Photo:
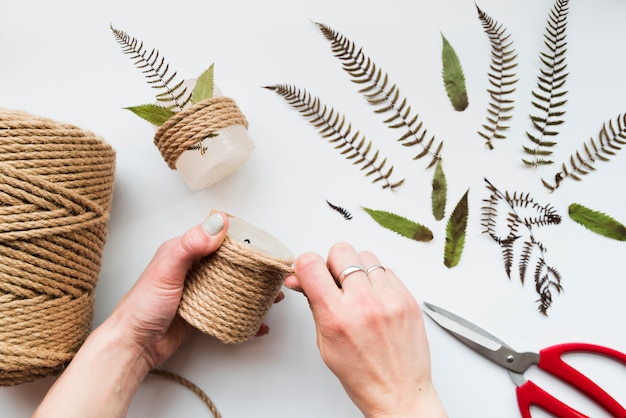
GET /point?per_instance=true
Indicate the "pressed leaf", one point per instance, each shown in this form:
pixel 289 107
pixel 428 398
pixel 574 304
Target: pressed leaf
pixel 154 114
pixel 453 78
pixel 203 89
pixel 440 190
pixel 401 225
pixel 455 233
pixel 597 222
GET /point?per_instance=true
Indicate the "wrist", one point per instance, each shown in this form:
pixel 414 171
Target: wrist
pixel 102 378
pixel 425 403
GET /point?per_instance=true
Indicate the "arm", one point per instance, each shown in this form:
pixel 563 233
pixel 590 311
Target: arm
pixel 370 333
pixel 142 331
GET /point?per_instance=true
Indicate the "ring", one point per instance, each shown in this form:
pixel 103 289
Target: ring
pixel 371 269
pixel 348 271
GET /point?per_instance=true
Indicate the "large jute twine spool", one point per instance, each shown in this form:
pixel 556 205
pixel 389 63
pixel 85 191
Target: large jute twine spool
pixel 56 186
pixel 228 293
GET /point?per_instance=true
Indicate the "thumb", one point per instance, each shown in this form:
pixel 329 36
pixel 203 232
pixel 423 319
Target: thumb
pixel 175 257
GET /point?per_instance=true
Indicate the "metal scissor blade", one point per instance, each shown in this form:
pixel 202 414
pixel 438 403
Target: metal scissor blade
pixel 480 340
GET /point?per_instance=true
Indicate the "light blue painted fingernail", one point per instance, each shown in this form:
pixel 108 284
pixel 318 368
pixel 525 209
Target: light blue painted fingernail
pixel 213 224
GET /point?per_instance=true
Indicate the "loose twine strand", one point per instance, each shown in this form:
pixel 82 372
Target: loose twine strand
pixel 56 187
pixel 194 124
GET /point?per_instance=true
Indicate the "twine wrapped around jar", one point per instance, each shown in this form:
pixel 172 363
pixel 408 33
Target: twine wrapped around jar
pixel 228 293
pixel 56 187
pixel 194 124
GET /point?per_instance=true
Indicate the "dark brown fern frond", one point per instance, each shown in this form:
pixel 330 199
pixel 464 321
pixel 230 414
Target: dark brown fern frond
pixel 610 140
pixel 548 98
pixel 501 77
pixel 333 126
pixel 384 96
pixel 502 220
pixel 157 72
pixel 343 212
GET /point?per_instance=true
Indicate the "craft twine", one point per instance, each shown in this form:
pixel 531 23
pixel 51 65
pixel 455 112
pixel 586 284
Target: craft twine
pixel 56 186
pixel 192 125
pixel 228 293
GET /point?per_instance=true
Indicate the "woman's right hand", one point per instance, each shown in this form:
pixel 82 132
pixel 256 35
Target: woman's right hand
pixel 370 333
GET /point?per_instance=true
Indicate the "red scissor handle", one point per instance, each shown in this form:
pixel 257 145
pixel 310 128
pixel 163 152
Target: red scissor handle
pixel 550 360
pixel 530 394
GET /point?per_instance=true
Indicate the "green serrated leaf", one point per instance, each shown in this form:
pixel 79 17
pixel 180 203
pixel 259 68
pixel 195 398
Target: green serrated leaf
pixel 439 192
pixel 401 225
pixel 455 233
pixel 597 222
pixel 203 89
pixel 453 77
pixel 154 114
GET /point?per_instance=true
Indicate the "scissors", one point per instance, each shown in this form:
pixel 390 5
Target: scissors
pixel 548 359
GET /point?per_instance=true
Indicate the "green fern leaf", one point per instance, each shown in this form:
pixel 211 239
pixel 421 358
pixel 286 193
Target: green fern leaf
pixel 155 114
pixel 453 77
pixel 597 222
pixel 439 192
pixel 203 89
pixel 400 225
pixel 455 233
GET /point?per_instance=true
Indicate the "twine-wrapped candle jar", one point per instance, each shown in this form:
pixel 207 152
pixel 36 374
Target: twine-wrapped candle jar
pixel 228 293
pixel 207 141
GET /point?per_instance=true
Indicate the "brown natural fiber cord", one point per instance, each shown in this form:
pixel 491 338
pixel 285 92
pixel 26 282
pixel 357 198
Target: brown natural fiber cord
pixel 228 293
pixel 56 186
pixel 191 386
pixel 192 125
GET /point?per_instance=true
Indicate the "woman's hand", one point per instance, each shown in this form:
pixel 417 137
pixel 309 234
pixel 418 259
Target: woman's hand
pixel 141 333
pixel 370 333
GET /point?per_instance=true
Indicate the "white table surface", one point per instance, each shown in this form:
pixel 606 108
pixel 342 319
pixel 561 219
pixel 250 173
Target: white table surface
pixel 60 60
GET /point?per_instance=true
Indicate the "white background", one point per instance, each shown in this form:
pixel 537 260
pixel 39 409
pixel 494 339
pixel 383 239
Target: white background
pixel 60 60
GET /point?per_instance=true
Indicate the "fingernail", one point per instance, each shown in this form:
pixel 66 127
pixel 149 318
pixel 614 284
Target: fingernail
pixel 213 224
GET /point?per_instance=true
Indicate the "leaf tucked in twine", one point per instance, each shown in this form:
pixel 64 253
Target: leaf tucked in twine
pixel 453 77
pixel 597 222
pixel 401 225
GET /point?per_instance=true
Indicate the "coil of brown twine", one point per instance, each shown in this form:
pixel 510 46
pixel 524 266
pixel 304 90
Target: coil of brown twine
pixel 192 125
pixel 228 293
pixel 56 187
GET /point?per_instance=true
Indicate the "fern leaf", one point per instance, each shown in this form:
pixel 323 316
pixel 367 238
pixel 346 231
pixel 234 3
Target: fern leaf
pixel 333 126
pixel 155 69
pixel 453 77
pixel 455 233
pixel 597 222
pixel 610 140
pixel 400 225
pixel 501 77
pixel 203 89
pixel 384 96
pixel 546 277
pixel 155 114
pixel 343 212
pixel 550 86
pixel 439 192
